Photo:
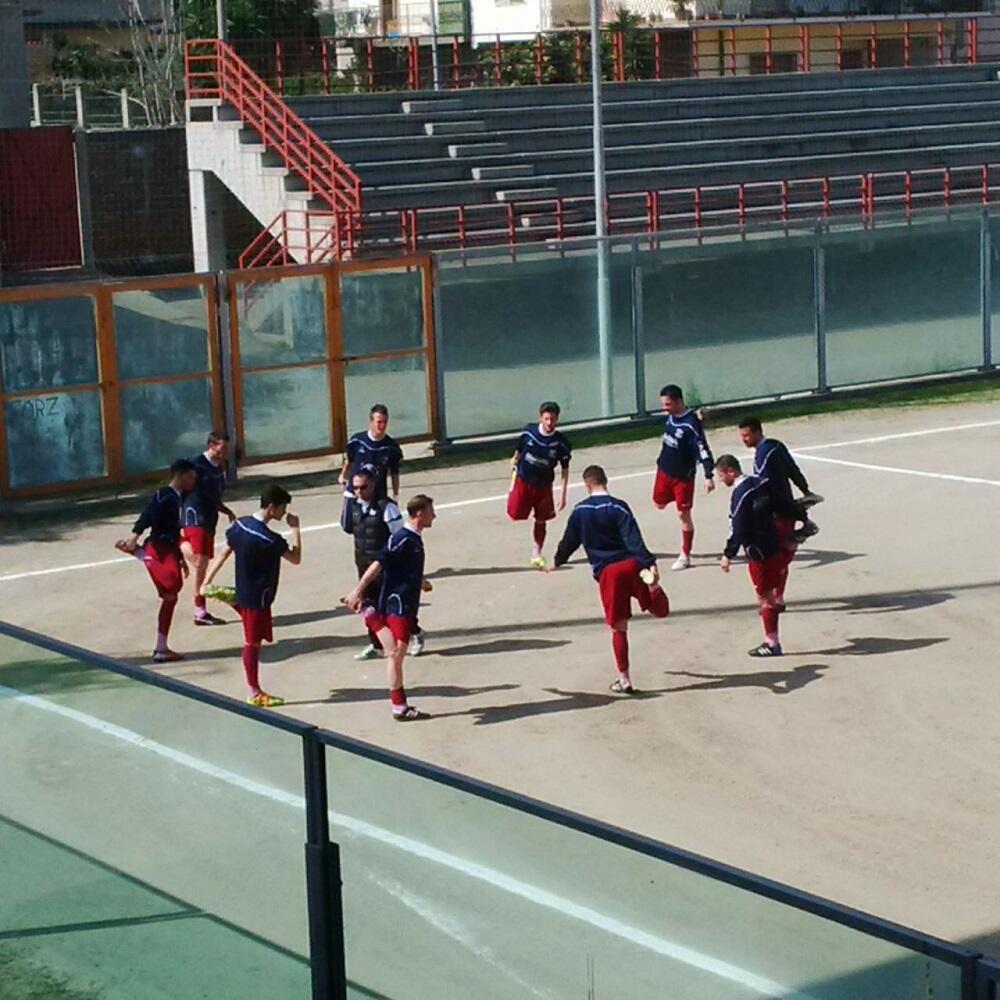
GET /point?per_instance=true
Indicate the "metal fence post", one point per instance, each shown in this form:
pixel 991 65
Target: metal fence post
pixel 638 332
pixel 36 104
pixel 326 913
pixel 123 97
pixel 226 355
pixel 819 301
pixel 439 355
pixel 81 112
pixel 986 276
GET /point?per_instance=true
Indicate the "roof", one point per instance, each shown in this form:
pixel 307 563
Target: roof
pixel 84 13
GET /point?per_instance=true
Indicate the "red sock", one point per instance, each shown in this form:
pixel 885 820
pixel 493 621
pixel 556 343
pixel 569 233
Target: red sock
pixel 538 534
pixel 687 540
pixel 251 667
pixel 398 697
pixel 199 602
pixel 770 617
pixel 619 643
pixel 166 616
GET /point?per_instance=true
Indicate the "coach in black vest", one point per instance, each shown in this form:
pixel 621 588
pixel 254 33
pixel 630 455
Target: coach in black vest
pixel 371 522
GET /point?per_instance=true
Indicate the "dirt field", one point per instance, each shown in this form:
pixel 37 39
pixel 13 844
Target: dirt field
pixel 862 766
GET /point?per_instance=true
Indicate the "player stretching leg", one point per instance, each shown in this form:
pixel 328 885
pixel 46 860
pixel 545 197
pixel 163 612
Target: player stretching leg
pixel 376 452
pixel 372 523
pixel 751 527
pixel 622 565
pixel 540 449
pixel 684 446
pixel 400 565
pixel 775 467
pixel 161 552
pixel 202 507
pixel 259 551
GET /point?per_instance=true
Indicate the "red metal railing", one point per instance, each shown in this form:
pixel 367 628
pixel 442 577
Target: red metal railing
pixel 213 70
pixel 653 213
pixel 297 236
pixel 699 49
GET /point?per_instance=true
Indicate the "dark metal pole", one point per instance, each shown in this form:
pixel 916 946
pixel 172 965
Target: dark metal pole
pixel 986 276
pixel 819 294
pixel 326 912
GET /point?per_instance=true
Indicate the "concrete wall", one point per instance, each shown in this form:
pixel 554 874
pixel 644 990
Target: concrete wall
pixel 15 106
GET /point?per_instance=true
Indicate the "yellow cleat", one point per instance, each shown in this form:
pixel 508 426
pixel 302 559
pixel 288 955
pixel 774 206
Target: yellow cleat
pixel 537 562
pixel 264 700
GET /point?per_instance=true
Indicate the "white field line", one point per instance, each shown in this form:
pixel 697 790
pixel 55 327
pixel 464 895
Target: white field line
pixel 898 471
pixel 452 505
pixel 906 434
pixel 515 887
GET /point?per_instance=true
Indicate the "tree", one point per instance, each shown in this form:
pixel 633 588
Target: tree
pixel 253 18
pixel 156 46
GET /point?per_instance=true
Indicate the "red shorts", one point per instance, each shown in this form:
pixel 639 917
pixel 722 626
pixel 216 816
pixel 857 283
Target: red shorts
pixel 768 573
pixel 619 583
pixel 667 490
pixel 784 527
pixel 400 627
pixel 525 498
pixel 163 563
pixel 201 540
pixel 257 625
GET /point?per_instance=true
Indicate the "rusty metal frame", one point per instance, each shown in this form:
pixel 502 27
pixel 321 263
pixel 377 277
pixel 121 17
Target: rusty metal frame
pixel 336 360
pixel 108 384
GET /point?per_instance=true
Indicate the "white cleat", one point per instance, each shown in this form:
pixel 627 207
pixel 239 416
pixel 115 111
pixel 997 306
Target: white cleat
pixel 682 562
pixel 368 653
pixel 417 643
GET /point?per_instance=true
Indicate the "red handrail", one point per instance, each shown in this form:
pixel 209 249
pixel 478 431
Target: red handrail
pixel 641 212
pixel 212 69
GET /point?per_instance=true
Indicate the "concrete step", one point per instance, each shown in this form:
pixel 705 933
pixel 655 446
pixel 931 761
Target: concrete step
pixel 527 194
pixel 549 220
pixel 434 107
pixel 454 128
pixel 790 83
pixel 467 149
pixel 502 172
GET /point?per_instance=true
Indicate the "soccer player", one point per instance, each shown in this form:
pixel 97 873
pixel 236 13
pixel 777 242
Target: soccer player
pixel 540 449
pixel 259 551
pixel 751 527
pixel 775 467
pixel 400 565
pixel 377 451
pixel 622 565
pixel 201 510
pixel 684 447
pixel 372 523
pixel 161 552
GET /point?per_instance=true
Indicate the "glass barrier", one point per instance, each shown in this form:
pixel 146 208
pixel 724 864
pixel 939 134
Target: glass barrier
pixel 994 297
pixel 382 310
pixel 470 897
pixel 164 421
pixel 286 410
pixel 48 343
pixel 903 299
pixel 400 381
pixel 161 331
pixel 281 322
pixel 152 845
pixel 56 437
pixel 515 333
pixel 729 318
